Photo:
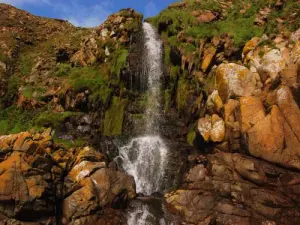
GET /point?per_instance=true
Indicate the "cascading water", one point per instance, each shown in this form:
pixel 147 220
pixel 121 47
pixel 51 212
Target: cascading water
pixel 145 157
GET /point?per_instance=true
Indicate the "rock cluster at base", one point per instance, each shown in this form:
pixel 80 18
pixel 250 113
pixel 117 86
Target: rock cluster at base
pixel 45 183
pixel 236 189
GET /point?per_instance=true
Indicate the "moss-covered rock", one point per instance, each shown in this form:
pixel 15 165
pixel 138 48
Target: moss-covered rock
pixel 114 117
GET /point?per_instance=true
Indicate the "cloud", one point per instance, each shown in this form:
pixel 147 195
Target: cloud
pixel 85 15
pixel 77 12
pixel 23 2
pixel 150 9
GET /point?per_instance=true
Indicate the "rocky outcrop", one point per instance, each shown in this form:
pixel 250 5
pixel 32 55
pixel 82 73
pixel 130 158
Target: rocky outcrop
pixel 237 189
pixel 46 183
pixel 251 175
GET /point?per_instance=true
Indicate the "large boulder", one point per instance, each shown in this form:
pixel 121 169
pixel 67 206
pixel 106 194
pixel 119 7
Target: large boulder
pixel 233 80
pixel 276 137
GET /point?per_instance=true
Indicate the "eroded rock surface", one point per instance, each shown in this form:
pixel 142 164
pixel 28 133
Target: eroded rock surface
pixel 47 183
pixel 237 189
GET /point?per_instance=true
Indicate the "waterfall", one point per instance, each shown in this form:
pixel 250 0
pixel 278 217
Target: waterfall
pixel 144 157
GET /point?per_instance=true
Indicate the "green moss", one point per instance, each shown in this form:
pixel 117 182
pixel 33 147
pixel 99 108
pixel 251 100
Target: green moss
pixel 62 69
pixel 12 91
pixel 17 128
pixel 52 119
pixel 17 120
pixel 90 78
pixel 175 19
pixel 69 143
pixel 168 99
pixel 186 88
pixel 26 63
pixel 114 116
pixel 3 127
pixel 167 49
pixel 182 94
pixel 119 60
pixel 191 137
pixel 174 72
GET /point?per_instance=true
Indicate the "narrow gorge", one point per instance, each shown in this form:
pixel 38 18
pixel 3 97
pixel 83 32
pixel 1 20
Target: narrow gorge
pixel 189 117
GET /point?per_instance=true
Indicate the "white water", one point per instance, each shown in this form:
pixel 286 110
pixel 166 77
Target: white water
pixel 145 157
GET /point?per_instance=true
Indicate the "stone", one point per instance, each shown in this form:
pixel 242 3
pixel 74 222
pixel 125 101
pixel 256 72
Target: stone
pixel 272 63
pixel 234 80
pixel 295 36
pixel 250 46
pixel 236 189
pixel 218 129
pixel 209 54
pixel 229 109
pixel 295 54
pixel 214 101
pixel 289 75
pixel 276 137
pixel 34 173
pixel 252 112
pixel 207 17
pixel 212 128
pixel 204 127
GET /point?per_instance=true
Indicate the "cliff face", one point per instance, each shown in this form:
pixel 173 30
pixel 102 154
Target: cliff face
pixel 52 71
pixel 231 91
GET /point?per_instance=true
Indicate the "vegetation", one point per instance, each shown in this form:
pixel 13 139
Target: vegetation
pixel 14 120
pixel 119 60
pixel 114 116
pixel 53 119
pixel 90 78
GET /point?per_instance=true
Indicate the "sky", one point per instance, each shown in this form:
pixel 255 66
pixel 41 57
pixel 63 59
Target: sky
pixel 87 13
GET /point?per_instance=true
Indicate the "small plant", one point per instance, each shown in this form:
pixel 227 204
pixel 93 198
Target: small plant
pixel 62 69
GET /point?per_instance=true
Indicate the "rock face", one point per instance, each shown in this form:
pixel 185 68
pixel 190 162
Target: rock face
pixel 251 174
pixel 236 189
pixel 45 183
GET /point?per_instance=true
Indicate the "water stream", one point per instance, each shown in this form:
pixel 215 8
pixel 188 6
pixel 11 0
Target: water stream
pixel 145 157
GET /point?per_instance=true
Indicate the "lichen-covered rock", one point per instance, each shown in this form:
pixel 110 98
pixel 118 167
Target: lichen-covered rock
pixel 214 101
pixel 36 175
pixel 212 128
pixel 234 80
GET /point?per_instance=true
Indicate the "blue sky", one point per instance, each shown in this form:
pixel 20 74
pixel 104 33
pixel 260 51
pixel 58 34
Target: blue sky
pixel 87 13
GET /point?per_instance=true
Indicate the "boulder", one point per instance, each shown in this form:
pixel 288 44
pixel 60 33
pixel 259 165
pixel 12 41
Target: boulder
pixel 252 112
pixel 234 80
pixel 209 54
pixel 276 137
pixel 272 63
pixel 214 101
pixel 212 128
